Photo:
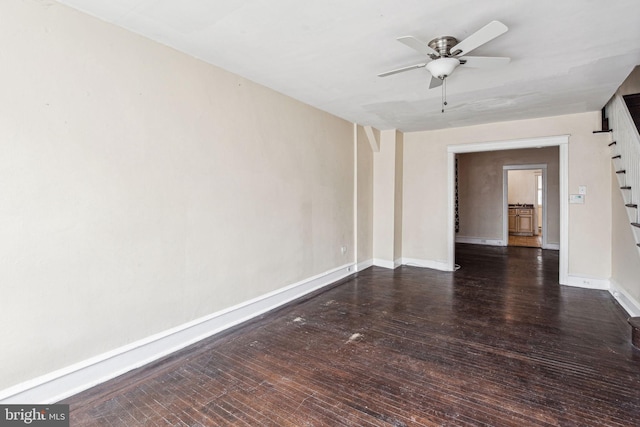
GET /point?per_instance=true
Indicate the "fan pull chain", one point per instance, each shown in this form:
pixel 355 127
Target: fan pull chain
pixel 443 98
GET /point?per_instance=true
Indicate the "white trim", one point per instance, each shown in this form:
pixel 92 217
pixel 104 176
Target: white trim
pixel 551 246
pixel 629 303
pixel 525 167
pixel 364 265
pixel 562 141
pixel 384 263
pixel 397 262
pixel 563 266
pixel 587 282
pixel 65 382
pixel 505 198
pixel 513 144
pixel 425 263
pixel 355 193
pixel 480 241
pixel 451 211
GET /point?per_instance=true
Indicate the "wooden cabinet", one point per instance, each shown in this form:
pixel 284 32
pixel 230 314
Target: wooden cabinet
pixel 521 221
pixel 513 225
pixel 525 221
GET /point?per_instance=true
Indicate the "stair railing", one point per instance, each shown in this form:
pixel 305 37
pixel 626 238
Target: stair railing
pixel 626 157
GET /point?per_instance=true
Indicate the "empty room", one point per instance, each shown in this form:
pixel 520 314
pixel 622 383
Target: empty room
pixel 285 213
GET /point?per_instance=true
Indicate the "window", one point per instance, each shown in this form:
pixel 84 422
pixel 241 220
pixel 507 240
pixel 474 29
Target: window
pixel 539 187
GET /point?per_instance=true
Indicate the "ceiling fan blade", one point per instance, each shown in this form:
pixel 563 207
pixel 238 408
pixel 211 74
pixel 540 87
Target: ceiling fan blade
pixel 418 45
pixel 435 82
pixel 400 70
pixel 483 61
pixel 485 34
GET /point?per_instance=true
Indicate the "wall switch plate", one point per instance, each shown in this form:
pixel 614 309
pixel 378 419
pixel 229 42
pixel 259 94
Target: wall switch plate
pixel 576 198
pixel 582 189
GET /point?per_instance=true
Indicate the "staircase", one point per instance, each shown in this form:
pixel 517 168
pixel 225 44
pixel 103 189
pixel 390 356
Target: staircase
pixel 625 148
pixel 618 118
pixel 633 105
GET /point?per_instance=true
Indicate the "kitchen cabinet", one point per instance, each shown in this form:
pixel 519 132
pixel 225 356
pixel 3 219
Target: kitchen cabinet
pixel 521 221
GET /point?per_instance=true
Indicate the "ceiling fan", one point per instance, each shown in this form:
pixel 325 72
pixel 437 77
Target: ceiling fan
pixel 445 53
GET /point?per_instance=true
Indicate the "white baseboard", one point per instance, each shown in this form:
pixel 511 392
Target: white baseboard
pixel 497 242
pixel 384 263
pixel 629 303
pixel 425 263
pixel 588 282
pixel 480 241
pixel 60 384
pixel 364 265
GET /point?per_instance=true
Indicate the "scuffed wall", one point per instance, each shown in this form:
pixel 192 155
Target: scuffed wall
pixel 143 189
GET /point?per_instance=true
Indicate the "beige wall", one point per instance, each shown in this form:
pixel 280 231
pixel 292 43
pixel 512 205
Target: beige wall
pixel 365 197
pixel 480 180
pixel 383 197
pixel 425 187
pixel 143 189
pixel 631 85
pixel 397 215
pixel 388 199
pixel 522 187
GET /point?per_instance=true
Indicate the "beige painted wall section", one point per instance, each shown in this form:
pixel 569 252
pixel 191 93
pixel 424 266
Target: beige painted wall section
pixel 631 84
pixel 143 189
pixel 425 187
pixel 425 196
pixel 365 197
pixel 480 181
pixel 397 215
pixel 522 186
pixel 384 198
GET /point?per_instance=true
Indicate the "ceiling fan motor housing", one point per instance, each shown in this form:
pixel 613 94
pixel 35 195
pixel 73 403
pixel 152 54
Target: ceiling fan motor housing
pixel 443 45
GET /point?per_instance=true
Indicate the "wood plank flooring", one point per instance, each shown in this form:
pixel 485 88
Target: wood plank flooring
pixel 497 343
pixel 526 241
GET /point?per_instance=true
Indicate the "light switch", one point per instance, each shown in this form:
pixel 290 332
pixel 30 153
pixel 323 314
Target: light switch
pixel 582 189
pixel 576 198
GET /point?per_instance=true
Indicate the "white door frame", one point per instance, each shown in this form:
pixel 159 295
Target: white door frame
pixel 561 141
pixel 505 199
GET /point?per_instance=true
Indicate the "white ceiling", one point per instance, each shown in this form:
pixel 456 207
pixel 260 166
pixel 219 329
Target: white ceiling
pixel 568 56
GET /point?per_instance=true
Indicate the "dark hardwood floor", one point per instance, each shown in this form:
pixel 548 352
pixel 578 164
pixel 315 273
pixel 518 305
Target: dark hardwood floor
pixel 526 241
pixel 497 343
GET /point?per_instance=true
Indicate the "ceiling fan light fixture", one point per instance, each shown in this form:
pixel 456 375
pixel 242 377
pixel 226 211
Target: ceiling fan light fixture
pixel 442 67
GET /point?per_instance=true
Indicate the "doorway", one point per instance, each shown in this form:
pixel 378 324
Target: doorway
pixel 525 203
pixel 561 141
